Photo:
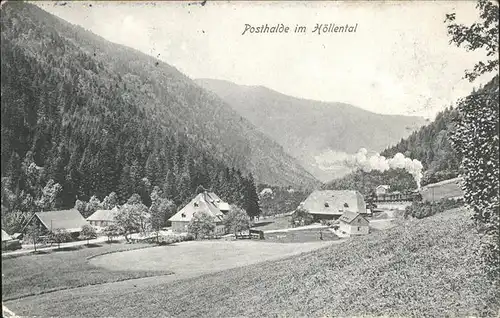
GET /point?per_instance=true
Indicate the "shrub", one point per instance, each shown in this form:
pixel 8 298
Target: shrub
pixel 421 210
pixel 301 217
pixel 201 225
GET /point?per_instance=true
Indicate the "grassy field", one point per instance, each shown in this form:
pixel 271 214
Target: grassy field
pixel 198 257
pixel 422 268
pixel 301 236
pixel 49 271
pixel 273 223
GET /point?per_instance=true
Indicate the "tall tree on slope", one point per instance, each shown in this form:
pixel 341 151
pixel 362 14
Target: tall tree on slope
pixel 251 198
pixel 476 137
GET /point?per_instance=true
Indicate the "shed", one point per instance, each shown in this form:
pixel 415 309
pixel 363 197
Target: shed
pixel 354 224
pixel 103 218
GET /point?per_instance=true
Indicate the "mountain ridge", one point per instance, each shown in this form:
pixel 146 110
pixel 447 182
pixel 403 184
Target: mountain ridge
pixel 317 133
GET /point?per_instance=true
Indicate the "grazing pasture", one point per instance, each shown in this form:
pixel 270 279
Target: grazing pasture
pixel 422 268
pixel 199 257
pixel 65 268
pixel 273 223
pixel 301 236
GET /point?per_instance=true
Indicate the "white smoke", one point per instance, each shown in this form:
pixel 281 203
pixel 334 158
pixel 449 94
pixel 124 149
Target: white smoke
pixel 377 162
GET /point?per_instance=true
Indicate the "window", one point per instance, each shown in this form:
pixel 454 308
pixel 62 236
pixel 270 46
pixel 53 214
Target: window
pixel 359 228
pixel 346 205
pixel 183 215
pixel 326 205
pixel 196 204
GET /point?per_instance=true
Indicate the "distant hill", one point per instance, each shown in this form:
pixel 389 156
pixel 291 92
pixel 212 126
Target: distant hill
pixel 110 111
pixel 430 144
pixel 318 134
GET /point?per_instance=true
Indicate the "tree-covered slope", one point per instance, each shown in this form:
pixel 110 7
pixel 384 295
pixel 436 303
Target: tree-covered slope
pixel 431 145
pixel 59 80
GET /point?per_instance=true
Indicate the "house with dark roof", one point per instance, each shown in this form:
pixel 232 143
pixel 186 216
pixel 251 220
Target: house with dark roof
pixel 331 204
pixel 351 223
pixel 102 218
pixel 207 202
pixel 69 220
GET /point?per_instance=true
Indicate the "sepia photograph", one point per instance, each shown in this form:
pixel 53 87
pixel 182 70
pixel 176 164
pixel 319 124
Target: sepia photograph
pixel 252 159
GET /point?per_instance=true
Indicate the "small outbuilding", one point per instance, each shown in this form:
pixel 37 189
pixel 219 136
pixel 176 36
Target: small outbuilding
pixel 352 223
pixel 9 243
pixel 382 189
pixel 102 218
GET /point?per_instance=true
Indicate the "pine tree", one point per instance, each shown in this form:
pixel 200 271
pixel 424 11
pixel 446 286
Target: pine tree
pixel 251 198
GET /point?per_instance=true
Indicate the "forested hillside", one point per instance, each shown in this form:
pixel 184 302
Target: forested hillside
pixel 430 144
pixel 97 117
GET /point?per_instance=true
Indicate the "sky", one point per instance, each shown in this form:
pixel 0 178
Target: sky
pixel 399 60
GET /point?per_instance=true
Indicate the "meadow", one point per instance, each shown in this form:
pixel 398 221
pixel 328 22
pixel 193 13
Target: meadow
pixel 49 271
pixel 421 268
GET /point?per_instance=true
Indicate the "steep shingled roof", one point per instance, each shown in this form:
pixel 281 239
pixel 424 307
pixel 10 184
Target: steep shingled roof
pixel 104 215
pixel 203 202
pixel 334 202
pixel 348 217
pixel 70 220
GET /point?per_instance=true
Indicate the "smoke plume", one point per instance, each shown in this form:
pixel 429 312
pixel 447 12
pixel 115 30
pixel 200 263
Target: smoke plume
pixel 362 161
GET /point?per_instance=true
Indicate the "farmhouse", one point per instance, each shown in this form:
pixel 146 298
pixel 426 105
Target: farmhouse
pixel 102 218
pixel 353 224
pixel 70 220
pixel 447 189
pixel 207 202
pixel 331 204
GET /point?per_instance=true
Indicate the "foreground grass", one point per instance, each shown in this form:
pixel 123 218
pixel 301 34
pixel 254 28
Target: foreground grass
pixel 55 270
pixel 423 268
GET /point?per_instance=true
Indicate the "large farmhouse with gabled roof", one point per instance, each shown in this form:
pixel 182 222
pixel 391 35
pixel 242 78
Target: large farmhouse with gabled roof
pixel 207 202
pixel 331 204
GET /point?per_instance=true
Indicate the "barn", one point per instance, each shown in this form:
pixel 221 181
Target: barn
pixel 69 220
pixel 331 204
pixel 207 202
pixel 352 223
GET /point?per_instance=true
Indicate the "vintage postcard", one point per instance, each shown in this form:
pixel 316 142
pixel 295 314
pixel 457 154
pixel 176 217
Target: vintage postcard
pixel 250 159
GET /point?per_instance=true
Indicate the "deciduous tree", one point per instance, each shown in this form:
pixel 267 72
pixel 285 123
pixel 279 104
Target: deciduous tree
pixel 201 225
pixel 88 232
pixel 476 136
pixel 236 221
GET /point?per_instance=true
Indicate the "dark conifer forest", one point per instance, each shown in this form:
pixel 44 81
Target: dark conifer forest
pixel 82 116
